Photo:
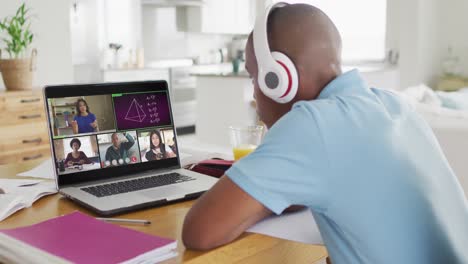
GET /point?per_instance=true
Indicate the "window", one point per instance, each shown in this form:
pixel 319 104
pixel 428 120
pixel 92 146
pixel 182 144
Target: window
pixel 362 25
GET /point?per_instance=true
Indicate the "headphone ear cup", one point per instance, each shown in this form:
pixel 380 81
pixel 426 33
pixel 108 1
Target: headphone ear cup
pixel 269 81
pixel 289 77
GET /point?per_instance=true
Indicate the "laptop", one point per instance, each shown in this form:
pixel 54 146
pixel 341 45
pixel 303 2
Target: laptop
pixel 114 146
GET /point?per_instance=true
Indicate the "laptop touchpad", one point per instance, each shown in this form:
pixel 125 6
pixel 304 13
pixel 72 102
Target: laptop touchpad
pixel 169 193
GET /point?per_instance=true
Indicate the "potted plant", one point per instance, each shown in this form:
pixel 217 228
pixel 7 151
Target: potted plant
pixel 17 71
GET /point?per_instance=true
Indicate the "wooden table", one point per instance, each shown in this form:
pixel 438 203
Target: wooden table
pixel 167 222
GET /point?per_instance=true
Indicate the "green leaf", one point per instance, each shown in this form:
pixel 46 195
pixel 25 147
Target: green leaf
pixel 22 9
pixel 18 12
pixel 17 27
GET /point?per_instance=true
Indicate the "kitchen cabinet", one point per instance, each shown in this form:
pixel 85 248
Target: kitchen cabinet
pixel 220 17
pixel 23 125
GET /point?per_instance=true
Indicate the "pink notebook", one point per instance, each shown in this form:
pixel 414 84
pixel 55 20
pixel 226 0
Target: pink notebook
pixel 79 238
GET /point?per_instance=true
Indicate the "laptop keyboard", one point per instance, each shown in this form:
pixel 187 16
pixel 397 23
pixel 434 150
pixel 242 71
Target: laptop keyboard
pixel 136 184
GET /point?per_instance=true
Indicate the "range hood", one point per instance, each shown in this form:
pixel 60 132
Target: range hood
pixel 176 3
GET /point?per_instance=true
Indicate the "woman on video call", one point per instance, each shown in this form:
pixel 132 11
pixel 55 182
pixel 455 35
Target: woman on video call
pixel 76 157
pixel 158 150
pixel 84 121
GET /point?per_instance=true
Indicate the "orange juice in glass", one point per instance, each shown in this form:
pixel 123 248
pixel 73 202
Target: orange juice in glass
pixel 245 139
pixel 242 150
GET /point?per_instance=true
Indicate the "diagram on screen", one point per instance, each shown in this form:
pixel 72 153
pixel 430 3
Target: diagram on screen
pixel 141 110
pixel 135 112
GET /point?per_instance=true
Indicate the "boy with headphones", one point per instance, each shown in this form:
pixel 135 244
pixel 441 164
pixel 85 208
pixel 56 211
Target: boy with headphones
pixel 361 159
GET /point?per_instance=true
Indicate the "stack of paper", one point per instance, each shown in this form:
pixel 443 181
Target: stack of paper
pixel 78 238
pixel 18 194
pixel 43 170
pixel 298 226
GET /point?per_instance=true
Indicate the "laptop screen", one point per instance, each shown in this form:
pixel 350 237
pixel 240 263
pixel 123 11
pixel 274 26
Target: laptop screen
pixel 110 130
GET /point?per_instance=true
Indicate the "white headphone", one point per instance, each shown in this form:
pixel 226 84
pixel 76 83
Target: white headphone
pixel 277 75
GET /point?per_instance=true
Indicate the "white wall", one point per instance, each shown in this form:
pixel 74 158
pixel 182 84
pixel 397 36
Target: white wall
pixel 94 25
pixel 407 33
pixel 160 36
pixel 122 23
pixel 422 31
pixel 52 39
pixel 454 31
pixel 86 28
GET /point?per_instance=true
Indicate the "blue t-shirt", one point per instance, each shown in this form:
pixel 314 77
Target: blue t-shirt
pixel 84 123
pixel 370 170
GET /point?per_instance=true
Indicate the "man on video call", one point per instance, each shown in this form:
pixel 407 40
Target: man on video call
pixel 118 152
pixel 361 159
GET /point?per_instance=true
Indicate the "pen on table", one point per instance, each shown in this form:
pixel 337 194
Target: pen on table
pixel 125 221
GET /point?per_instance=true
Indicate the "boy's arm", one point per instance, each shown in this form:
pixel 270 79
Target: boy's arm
pixel 220 216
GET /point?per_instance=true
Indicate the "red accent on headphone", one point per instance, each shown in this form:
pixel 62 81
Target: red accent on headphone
pixel 289 78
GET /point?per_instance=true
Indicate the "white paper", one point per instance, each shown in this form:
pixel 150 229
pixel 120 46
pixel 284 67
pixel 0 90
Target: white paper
pixel 298 226
pixel 33 193
pixel 19 197
pixel 10 203
pixel 44 170
pixel 7 185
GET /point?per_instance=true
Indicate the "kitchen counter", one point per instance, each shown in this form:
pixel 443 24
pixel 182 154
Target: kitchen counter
pixel 229 74
pixel 134 69
pixel 382 76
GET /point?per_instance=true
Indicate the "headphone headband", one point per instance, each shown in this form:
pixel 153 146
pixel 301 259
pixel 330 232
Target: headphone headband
pixel 260 36
pixel 277 74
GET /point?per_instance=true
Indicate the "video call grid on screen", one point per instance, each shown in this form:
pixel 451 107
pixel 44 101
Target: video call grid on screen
pixel 134 113
pixel 98 159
